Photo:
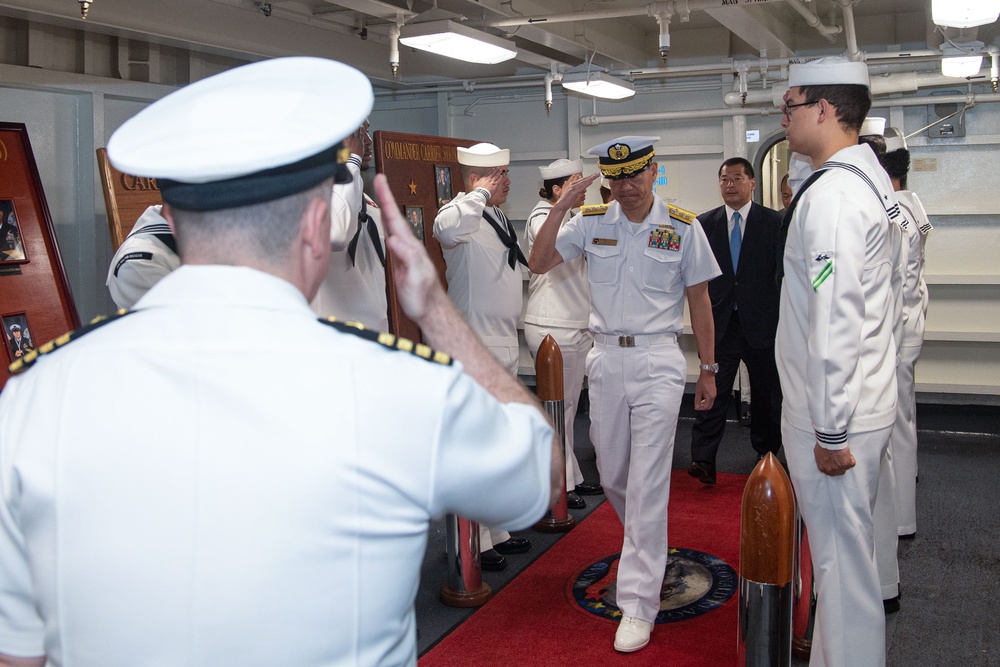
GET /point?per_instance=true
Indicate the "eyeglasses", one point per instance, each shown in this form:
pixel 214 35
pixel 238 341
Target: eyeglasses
pixel 787 108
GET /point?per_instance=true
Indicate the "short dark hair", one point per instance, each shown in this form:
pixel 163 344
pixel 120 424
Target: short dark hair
pixel 897 164
pixel 545 192
pixel 877 143
pixel 738 162
pixel 852 102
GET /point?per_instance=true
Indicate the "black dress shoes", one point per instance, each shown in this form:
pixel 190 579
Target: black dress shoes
pixel 703 472
pixel 575 502
pixel 588 489
pixel 515 545
pixel 492 561
pixel 891 605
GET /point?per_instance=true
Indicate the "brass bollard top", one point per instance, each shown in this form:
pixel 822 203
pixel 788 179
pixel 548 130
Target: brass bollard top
pixel 767 525
pixel 549 370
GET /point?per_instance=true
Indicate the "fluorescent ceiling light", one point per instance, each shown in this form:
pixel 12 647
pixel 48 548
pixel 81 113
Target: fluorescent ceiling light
pixel 598 84
pixel 448 38
pixel 964 13
pixel 962 61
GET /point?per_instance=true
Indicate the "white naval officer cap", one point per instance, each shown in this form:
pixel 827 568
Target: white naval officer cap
pixel 15 327
pixel 248 135
pixel 872 126
pixel 828 71
pixel 624 157
pixel 484 155
pixel 561 168
pixel 894 140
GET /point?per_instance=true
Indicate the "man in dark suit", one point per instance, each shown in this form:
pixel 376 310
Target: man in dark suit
pixel 743 236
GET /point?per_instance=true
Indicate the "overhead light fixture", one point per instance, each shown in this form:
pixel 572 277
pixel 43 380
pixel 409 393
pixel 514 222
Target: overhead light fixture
pixel 964 13
pixel 962 60
pixel 84 8
pixel 448 38
pixel 598 84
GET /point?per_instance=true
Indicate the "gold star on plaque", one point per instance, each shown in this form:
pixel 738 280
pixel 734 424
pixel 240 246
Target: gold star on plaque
pixel 413 187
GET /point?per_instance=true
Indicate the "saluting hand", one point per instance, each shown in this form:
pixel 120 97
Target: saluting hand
pixel 491 180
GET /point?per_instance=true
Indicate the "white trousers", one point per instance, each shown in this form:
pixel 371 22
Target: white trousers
pixel 574 344
pixel 635 396
pixel 884 521
pixel 850 620
pixel 904 442
pixel 507 356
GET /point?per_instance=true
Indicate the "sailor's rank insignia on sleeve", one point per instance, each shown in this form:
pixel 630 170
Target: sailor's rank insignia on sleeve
pixel 389 340
pixel 678 213
pixel 31 357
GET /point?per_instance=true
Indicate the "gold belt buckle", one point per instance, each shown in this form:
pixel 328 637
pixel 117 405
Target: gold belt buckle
pixel 626 341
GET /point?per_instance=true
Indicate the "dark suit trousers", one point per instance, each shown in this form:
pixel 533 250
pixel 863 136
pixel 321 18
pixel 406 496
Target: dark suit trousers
pixel 765 413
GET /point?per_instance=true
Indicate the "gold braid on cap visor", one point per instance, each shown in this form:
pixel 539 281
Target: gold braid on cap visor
pixel 626 168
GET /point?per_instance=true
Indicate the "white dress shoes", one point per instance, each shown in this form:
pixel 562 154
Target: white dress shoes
pixel 632 634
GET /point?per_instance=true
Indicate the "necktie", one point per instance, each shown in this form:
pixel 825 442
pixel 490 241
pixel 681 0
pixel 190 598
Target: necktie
pixel 365 220
pixel 735 240
pixel 508 237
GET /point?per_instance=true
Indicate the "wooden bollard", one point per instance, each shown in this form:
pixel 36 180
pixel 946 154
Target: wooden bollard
pixel 767 555
pixel 549 377
pixel 465 587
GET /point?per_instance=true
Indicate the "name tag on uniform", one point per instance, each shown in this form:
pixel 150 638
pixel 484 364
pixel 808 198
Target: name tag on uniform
pixel 605 241
pixel 665 237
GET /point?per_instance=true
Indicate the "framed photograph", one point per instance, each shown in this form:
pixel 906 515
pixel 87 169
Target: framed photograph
pixel 415 216
pixel 11 243
pixel 17 335
pixel 442 181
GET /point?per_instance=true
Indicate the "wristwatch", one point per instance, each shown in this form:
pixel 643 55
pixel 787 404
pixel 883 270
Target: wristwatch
pixel 709 367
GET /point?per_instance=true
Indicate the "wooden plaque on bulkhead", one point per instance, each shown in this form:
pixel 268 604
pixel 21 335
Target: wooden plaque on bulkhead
pixel 36 305
pixel 423 173
pixel 125 196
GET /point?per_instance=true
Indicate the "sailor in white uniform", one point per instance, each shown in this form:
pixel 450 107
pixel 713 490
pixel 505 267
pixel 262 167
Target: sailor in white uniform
pixel 915 299
pixel 835 352
pixel 147 254
pixel 483 267
pixel 559 306
pixel 643 258
pixel 354 287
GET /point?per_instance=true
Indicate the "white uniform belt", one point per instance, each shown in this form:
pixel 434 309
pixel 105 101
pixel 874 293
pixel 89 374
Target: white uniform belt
pixel 635 340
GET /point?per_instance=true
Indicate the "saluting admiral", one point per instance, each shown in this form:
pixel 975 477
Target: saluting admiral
pixel 643 257
pixel 199 501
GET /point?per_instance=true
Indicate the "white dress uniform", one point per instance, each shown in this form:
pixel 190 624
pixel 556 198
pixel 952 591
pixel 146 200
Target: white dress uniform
pixel 354 288
pixel 144 257
pixel 884 512
pixel 559 306
pixel 836 360
pixel 252 505
pixel 483 286
pixel 915 298
pixel 637 275
pixel 481 283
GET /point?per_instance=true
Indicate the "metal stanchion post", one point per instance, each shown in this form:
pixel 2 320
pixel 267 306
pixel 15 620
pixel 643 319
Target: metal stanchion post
pixel 767 545
pixel 549 376
pixel 465 587
pixel 804 610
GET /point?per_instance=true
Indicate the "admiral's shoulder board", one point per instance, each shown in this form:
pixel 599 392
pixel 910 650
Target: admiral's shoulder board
pixel 678 213
pixel 594 209
pixel 31 357
pixel 389 340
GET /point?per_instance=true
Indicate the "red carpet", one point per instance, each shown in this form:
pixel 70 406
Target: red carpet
pixel 536 620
